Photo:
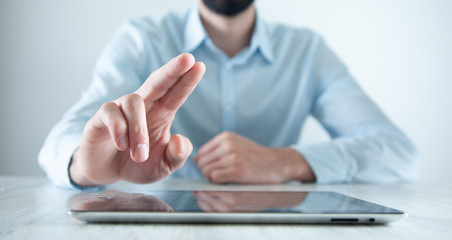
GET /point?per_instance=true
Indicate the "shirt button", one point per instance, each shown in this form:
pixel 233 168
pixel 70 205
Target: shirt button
pixel 228 108
pixel 228 66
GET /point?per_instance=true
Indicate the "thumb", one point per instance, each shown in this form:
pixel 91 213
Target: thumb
pixel 178 150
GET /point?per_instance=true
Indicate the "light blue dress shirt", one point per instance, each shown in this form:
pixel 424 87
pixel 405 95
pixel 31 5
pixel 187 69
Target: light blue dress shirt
pixel 263 93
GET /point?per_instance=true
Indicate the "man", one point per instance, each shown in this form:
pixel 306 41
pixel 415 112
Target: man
pixel 243 119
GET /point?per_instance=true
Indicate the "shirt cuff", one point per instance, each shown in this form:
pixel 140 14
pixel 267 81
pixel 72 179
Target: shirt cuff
pixel 325 161
pixel 58 170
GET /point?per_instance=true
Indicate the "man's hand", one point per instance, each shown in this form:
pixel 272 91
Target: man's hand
pixel 129 138
pixel 229 157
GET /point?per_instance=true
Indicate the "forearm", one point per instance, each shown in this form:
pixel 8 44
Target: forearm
pixel 380 156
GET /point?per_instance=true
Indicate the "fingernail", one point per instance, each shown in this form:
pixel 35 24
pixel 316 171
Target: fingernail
pixel 183 148
pixel 141 153
pixel 123 142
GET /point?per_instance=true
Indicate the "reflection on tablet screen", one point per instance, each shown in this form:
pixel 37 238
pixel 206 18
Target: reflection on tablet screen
pixel 224 201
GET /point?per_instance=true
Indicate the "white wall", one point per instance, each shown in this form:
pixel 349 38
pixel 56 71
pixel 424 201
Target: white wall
pixel 400 51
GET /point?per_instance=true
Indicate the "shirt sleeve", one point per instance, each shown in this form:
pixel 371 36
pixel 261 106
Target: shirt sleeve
pixel 118 71
pixel 365 145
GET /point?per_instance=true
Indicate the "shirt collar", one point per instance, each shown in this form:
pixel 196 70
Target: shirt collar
pixel 261 39
pixel 195 35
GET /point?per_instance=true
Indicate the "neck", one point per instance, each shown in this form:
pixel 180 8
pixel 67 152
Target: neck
pixel 230 34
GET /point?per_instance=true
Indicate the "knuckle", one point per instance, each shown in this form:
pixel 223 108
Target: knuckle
pixel 188 83
pixel 179 96
pixel 158 88
pixel 135 97
pixel 226 134
pixel 107 109
pixel 229 136
pixel 138 130
pixel 107 106
pixel 107 114
pixel 235 158
pixel 131 99
pixel 228 146
pixel 215 177
pixel 205 173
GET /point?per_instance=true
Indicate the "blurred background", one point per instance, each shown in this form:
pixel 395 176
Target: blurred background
pixel 399 51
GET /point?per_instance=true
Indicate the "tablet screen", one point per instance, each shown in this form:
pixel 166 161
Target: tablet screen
pixel 225 202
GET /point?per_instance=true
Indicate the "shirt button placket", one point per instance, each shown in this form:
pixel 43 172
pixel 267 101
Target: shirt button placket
pixel 228 96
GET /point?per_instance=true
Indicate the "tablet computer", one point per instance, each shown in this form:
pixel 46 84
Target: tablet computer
pixel 229 207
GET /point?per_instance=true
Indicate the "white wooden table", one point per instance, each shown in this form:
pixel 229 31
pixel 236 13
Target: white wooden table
pixel 31 208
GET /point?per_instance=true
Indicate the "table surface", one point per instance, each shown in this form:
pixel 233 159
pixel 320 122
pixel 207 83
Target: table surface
pixel 32 208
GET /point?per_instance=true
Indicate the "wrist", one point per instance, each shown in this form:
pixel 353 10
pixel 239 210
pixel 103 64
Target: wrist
pixel 295 166
pixel 75 172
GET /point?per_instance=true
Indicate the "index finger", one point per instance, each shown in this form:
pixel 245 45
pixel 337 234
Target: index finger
pixel 161 80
